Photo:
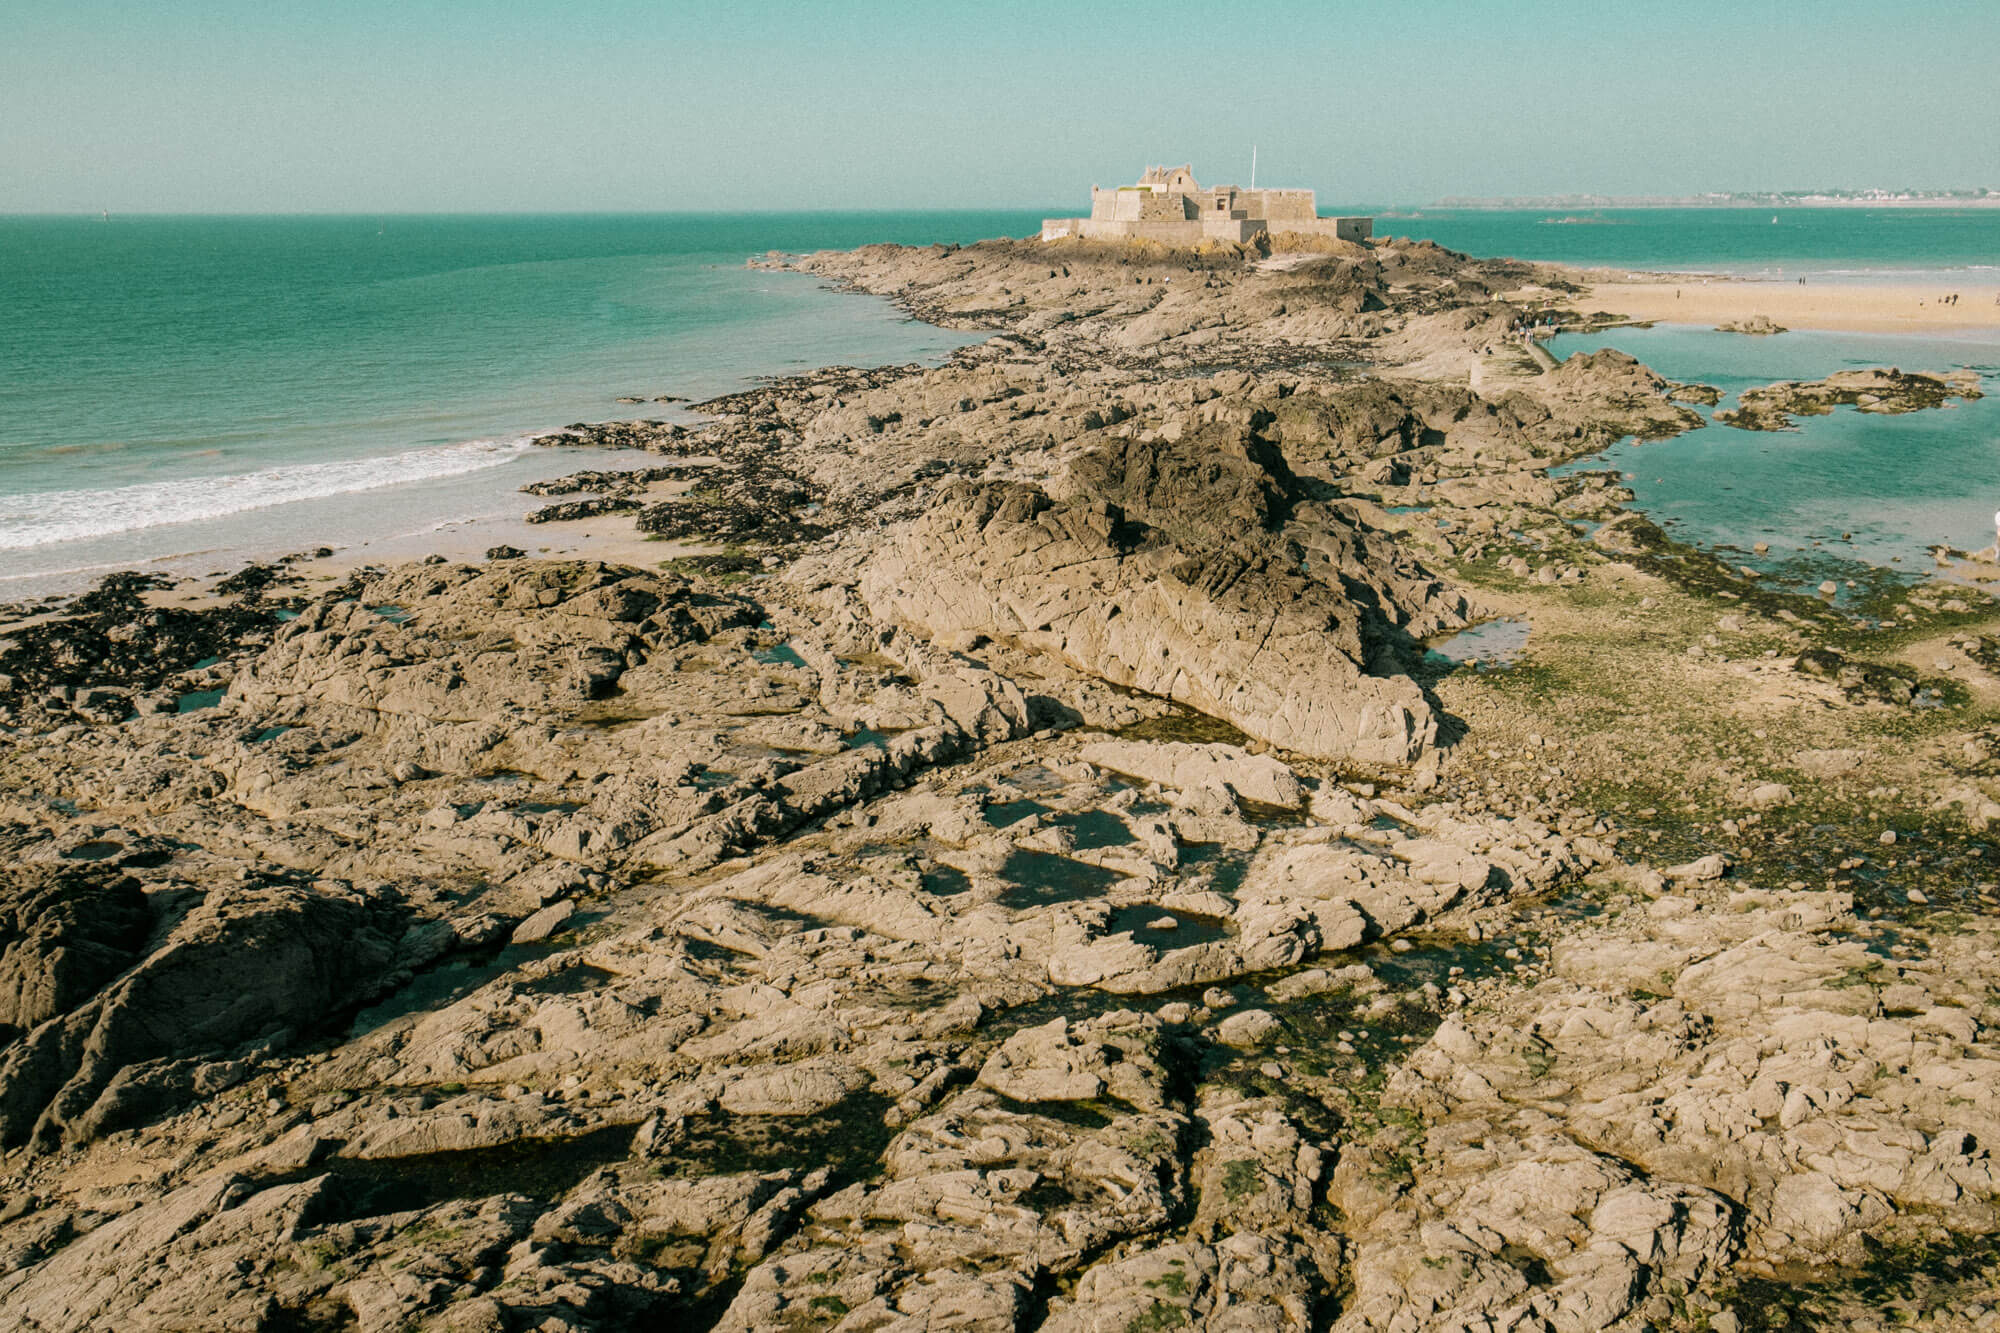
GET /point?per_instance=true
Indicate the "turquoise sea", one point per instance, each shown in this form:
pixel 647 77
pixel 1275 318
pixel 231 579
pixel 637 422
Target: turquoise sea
pixel 196 390
pixel 1847 487
pixel 1840 244
pixel 201 389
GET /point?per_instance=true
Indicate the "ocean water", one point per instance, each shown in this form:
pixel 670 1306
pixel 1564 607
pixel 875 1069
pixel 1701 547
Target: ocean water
pixel 197 390
pixel 1848 487
pixel 1837 244
pixel 190 392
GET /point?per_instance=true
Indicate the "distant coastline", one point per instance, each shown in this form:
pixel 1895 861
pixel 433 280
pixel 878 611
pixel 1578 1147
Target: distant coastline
pixel 1839 199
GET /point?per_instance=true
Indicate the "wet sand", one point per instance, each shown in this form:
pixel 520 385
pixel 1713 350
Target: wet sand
pixel 1826 306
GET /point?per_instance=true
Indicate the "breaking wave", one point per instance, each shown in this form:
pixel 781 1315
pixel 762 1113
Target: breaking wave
pixel 44 518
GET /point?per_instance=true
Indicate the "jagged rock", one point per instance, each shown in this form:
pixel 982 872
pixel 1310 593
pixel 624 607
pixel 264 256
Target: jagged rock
pixel 1754 324
pixel 64 932
pixel 1046 1064
pixel 544 923
pixel 1116 1055
pixel 791 1090
pixel 1241 635
pixel 265 963
pixel 1814 1119
pixel 1773 406
pixel 1245 1281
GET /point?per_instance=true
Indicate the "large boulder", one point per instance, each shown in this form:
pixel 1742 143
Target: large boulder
pixel 1195 572
pixel 64 932
pixel 252 963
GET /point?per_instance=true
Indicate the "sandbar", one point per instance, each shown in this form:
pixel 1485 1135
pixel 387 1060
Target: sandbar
pixel 1826 306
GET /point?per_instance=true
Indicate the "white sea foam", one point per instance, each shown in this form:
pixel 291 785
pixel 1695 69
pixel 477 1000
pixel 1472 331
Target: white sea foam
pixel 46 517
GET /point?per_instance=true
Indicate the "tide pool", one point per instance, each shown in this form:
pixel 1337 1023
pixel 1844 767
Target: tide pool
pixel 1851 486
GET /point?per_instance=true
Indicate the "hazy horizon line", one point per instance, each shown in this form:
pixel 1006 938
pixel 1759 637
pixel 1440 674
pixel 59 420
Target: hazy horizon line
pixel 1470 203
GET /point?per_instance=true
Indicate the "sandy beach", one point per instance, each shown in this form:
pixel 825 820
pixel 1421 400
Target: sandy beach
pixel 1832 307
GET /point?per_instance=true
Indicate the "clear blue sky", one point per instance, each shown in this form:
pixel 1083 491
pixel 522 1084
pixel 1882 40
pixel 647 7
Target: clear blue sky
pixel 419 105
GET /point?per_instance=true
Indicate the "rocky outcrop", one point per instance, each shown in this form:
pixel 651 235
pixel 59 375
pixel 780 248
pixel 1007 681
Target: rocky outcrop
pixel 1241 635
pixel 1225 768
pixel 1618 394
pixel 268 963
pixel 511 637
pixel 64 932
pixel 1777 1065
pixel 551 944
pixel 1890 391
pixel 1199 572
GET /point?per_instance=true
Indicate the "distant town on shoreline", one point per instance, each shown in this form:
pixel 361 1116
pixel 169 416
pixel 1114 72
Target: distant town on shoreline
pixel 1988 197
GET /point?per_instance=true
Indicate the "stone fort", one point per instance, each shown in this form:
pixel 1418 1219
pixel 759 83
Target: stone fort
pixel 1168 206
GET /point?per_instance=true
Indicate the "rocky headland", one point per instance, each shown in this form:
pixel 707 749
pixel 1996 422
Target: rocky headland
pixel 1030 862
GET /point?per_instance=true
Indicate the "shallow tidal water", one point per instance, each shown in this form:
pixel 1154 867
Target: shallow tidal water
pixel 1848 487
pixel 1492 646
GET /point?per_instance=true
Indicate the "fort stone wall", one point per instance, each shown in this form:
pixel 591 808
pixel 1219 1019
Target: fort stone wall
pixel 1169 207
